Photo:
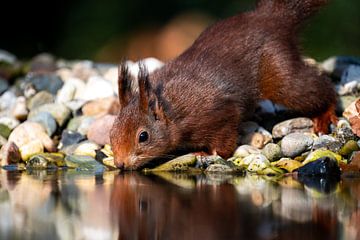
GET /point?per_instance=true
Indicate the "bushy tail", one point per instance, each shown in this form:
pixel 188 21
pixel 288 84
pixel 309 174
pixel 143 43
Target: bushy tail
pixel 294 11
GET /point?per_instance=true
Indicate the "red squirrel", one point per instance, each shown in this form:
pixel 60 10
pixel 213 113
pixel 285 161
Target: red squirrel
pixel 196 102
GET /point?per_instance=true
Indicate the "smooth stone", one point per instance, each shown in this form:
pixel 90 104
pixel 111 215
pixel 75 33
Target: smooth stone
pixel 109 162
pixel 245 150
pixel 84 70
pixel 4 131
pixel 327 142
pixel 296 125
pixel 66 93
pixel 80 124
pixel 3 85
pixel 181 163
pixel 294 144
pixel 7 100
pixel 7 57
pixel 100 107
pixel 40 99
pixel 256 140
pixel 219 168
pixel 99 130
pixel 87 149
pixel 320 153
pixel 10 122
pixel 324 166
pixel 59 111
pixel 46 161
pixel 70 138
pixel 348 88
pixel 97 87
pixel 43 62
pixel 84 163
pixel 349 147
pixel 10 154
pixel 46 120
pixel 31 131
pixel 272 152
pixel 20 111
pixel 75 106
pixel 205 161
pixel 345 134
pixel 261 165
pixel 30 149
pixel 351 74
pixel 287 164
pixel 76 83
pixel 44 82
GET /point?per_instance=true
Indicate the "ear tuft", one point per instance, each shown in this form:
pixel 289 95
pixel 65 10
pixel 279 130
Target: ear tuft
pixel 144 87
pixel 124 84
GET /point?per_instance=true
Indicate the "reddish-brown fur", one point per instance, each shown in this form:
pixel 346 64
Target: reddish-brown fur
pixel 197 101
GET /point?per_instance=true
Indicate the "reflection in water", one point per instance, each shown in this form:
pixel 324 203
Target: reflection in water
pixel 73 205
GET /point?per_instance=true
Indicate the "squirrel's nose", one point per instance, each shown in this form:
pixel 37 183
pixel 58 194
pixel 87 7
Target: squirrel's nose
pixel 120 165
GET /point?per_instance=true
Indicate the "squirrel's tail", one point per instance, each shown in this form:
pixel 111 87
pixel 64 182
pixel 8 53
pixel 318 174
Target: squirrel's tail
pixel 293 11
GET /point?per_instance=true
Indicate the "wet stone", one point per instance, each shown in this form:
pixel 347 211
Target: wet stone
pixel 181 163
pixel 245 150
pixel 205 161
pixel 70 138
pixel 46 161
pixel 294 144
pixel 84 163
pixel 219 168
pixel 324 166
pixel 349 147
pixel 296 125
pixel 320 153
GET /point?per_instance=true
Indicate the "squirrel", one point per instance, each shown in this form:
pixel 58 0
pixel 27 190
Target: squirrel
pixel 196 102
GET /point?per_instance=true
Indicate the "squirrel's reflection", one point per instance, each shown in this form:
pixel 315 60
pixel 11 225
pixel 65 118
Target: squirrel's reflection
pixel 149 208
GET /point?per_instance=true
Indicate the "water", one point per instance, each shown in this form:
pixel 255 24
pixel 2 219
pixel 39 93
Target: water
pixel 73 205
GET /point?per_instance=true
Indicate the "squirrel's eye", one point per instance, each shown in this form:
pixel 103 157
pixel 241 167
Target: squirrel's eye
pixel 143 136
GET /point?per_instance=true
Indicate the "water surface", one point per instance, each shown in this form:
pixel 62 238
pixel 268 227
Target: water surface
pixel 78 205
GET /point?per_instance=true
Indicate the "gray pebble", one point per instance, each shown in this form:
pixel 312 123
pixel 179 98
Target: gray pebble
pixel 299 125
pixel 46 120
pixel 294 144
pixel 272 152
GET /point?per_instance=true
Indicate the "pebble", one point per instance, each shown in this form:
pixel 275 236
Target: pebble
pixel 59 111
pixel 10 154
pixel 294 144
pixel 181 163
pixel 3 85
pixel 336 65
pixel 324 166
pixel 7 57
pixel 221 168
pixel 20 111
pixel 66 93
pixel 256 139
pixel 272 152
pixel 46 120
pixel 70 138
pixel 287 164
pixel 28 132
pixel 10 122
pixel 7 100
pixel 44 82
pixel 298 125
pixel 348 148
pixel 99 130
pixel 84 163
pixel 4 131
pixel 327 142
pixel 205 161
pixel 46 161
pixel 31 148
pixel 100 107
pixel 39 99
pixel 86 148
pixel 80 124
pixel 351 74
pixel 43 62
pixel 245 150
pixel 97 87
pixel 315 155
pixel 84 70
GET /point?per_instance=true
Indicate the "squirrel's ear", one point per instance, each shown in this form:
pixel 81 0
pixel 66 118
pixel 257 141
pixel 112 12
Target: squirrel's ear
pixel 160 107
pixel 124 84
pixel 144 87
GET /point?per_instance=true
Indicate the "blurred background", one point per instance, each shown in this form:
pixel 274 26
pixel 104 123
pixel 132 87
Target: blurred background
pixel 108 30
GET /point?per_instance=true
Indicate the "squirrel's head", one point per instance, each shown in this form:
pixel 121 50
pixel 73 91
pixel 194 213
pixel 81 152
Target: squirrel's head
pixel 140 131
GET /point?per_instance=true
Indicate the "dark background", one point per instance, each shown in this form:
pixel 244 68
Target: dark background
pixel 104 30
